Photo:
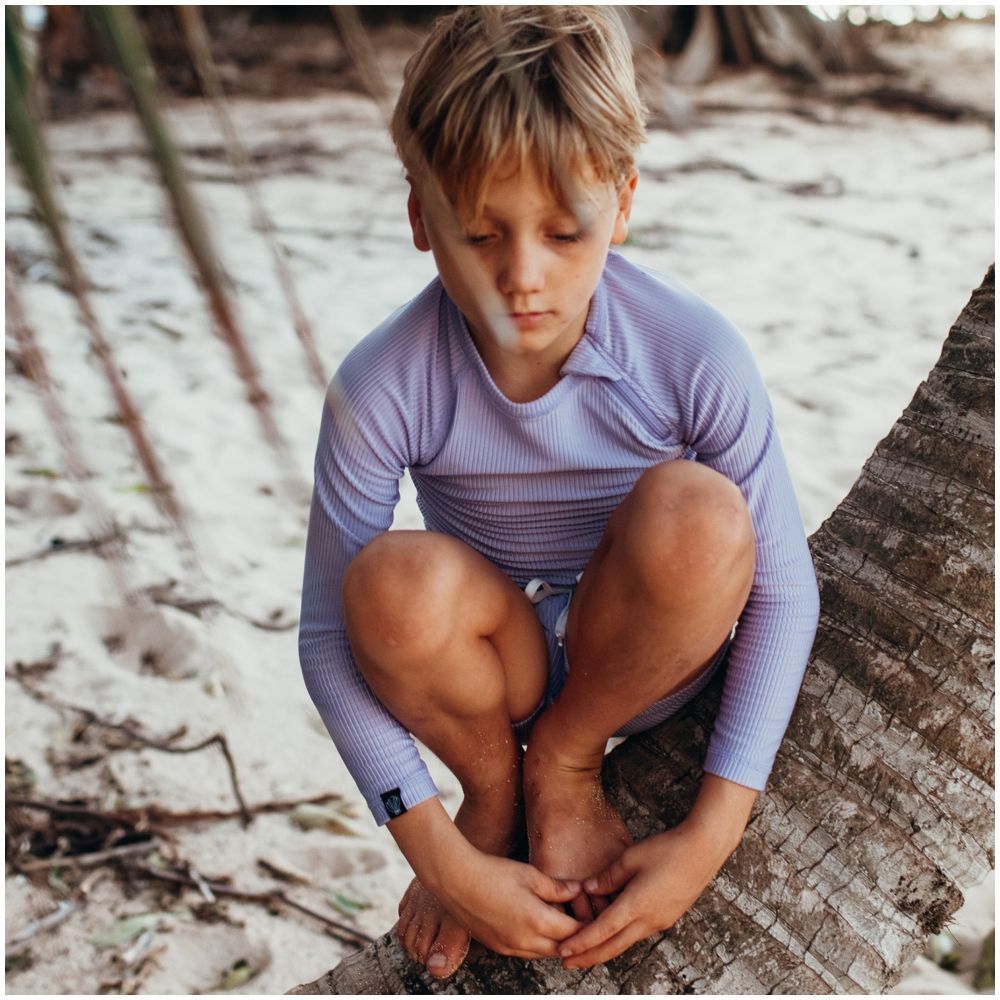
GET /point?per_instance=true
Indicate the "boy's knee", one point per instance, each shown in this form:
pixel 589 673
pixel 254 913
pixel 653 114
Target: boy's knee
pixel 395 591
pixel 686 519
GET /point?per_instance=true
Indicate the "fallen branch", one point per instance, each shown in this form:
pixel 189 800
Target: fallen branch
pixel 269 626
pixel 58 546
pixel 162 594
pixel 89 860
pixel 281 873
pixel 148 817
pixel 219 740
pixel 274 897
pixel 130 730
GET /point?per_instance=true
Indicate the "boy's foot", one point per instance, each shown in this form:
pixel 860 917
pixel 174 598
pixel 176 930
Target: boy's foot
pixel 428 934
pixel 573 832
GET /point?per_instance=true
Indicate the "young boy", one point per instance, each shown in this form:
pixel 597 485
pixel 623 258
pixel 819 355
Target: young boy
pixel 604 495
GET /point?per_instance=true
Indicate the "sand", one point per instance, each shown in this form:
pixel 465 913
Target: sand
pixel 845 291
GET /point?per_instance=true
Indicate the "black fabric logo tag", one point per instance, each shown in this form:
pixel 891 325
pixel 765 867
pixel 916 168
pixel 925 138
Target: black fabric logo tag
pixel 393 802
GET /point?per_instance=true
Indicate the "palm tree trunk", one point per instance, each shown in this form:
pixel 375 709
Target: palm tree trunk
pixel 880 809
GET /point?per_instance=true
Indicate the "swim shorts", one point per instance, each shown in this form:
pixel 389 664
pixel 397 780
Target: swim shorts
pixel 552 608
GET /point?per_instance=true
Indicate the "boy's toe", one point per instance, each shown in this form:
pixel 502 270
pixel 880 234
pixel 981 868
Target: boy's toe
pixel 408 939
pixel 424 938
pixel 448 950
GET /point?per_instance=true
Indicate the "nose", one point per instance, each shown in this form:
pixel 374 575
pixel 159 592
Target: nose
pixel 521 269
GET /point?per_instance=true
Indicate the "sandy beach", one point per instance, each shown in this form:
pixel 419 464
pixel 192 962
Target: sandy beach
pixel 842 239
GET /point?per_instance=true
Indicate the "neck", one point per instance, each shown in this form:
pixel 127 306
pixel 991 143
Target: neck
pixel 523 377
pixel 525 383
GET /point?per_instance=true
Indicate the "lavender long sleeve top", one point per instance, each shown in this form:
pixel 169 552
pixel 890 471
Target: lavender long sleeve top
pixel 658 375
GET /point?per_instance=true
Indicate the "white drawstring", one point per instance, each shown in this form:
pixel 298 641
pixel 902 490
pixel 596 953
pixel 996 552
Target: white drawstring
pixel 538 590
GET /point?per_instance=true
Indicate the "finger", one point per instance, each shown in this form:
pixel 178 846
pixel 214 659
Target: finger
pixel 581 908
pixel 554 924
pixel 536 947
pixel 555 890
pixel 608 950
pixel 611 922
pixel 610 880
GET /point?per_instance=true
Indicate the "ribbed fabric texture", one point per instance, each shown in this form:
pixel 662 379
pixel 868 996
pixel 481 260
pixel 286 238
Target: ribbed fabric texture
pixel 658 375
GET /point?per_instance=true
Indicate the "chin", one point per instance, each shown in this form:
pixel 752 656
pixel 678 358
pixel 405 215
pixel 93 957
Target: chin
pixel 525 346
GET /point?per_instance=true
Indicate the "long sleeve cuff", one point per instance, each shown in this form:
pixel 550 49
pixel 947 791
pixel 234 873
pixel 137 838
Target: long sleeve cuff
pixel 737 769
pixel 388 803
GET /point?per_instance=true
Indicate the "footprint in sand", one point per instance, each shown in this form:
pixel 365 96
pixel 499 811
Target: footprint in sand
pixel 160 642
pixel 44 499
pixel 200 958
pixel 326 863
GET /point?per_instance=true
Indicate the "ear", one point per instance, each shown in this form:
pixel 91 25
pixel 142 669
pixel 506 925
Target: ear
pixel 620 232
pixel 415 211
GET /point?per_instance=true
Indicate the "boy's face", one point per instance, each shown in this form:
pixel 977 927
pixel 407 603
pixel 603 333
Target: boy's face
pixel 523 273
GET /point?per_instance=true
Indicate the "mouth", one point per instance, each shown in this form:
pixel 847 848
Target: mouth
pixel 527 320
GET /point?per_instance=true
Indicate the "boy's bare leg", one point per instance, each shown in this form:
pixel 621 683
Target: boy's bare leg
pixel 657 600
pixel 453 649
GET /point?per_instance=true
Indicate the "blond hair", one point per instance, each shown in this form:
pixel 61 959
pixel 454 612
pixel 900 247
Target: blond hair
pixel 555 84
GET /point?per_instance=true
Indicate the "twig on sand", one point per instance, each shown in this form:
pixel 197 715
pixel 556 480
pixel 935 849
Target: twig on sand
pixel 20 941
pixel 163 594
pixel 282 873
pixel 219 740
pixel 148 817
pixel 59 545
pixel 132 732
pixel 89 860
pixel 201 882
pixel 274 897
pixel 269 626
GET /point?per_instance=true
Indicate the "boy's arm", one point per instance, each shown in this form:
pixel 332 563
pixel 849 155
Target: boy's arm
pixel 503 904
pixel 362 452
pixel 727 419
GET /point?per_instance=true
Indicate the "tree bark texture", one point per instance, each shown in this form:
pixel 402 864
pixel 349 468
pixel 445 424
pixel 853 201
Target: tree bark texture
pixel 880 807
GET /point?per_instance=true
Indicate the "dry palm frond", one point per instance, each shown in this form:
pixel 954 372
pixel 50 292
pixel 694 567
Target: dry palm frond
pixel 362 53
pixel 29 150
pixel 119 29
pixel 196 36
pixel 37 371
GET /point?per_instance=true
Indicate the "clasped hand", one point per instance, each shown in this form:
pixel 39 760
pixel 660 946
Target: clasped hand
pixel 511 907
pixel 656 882
pixel 514 909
